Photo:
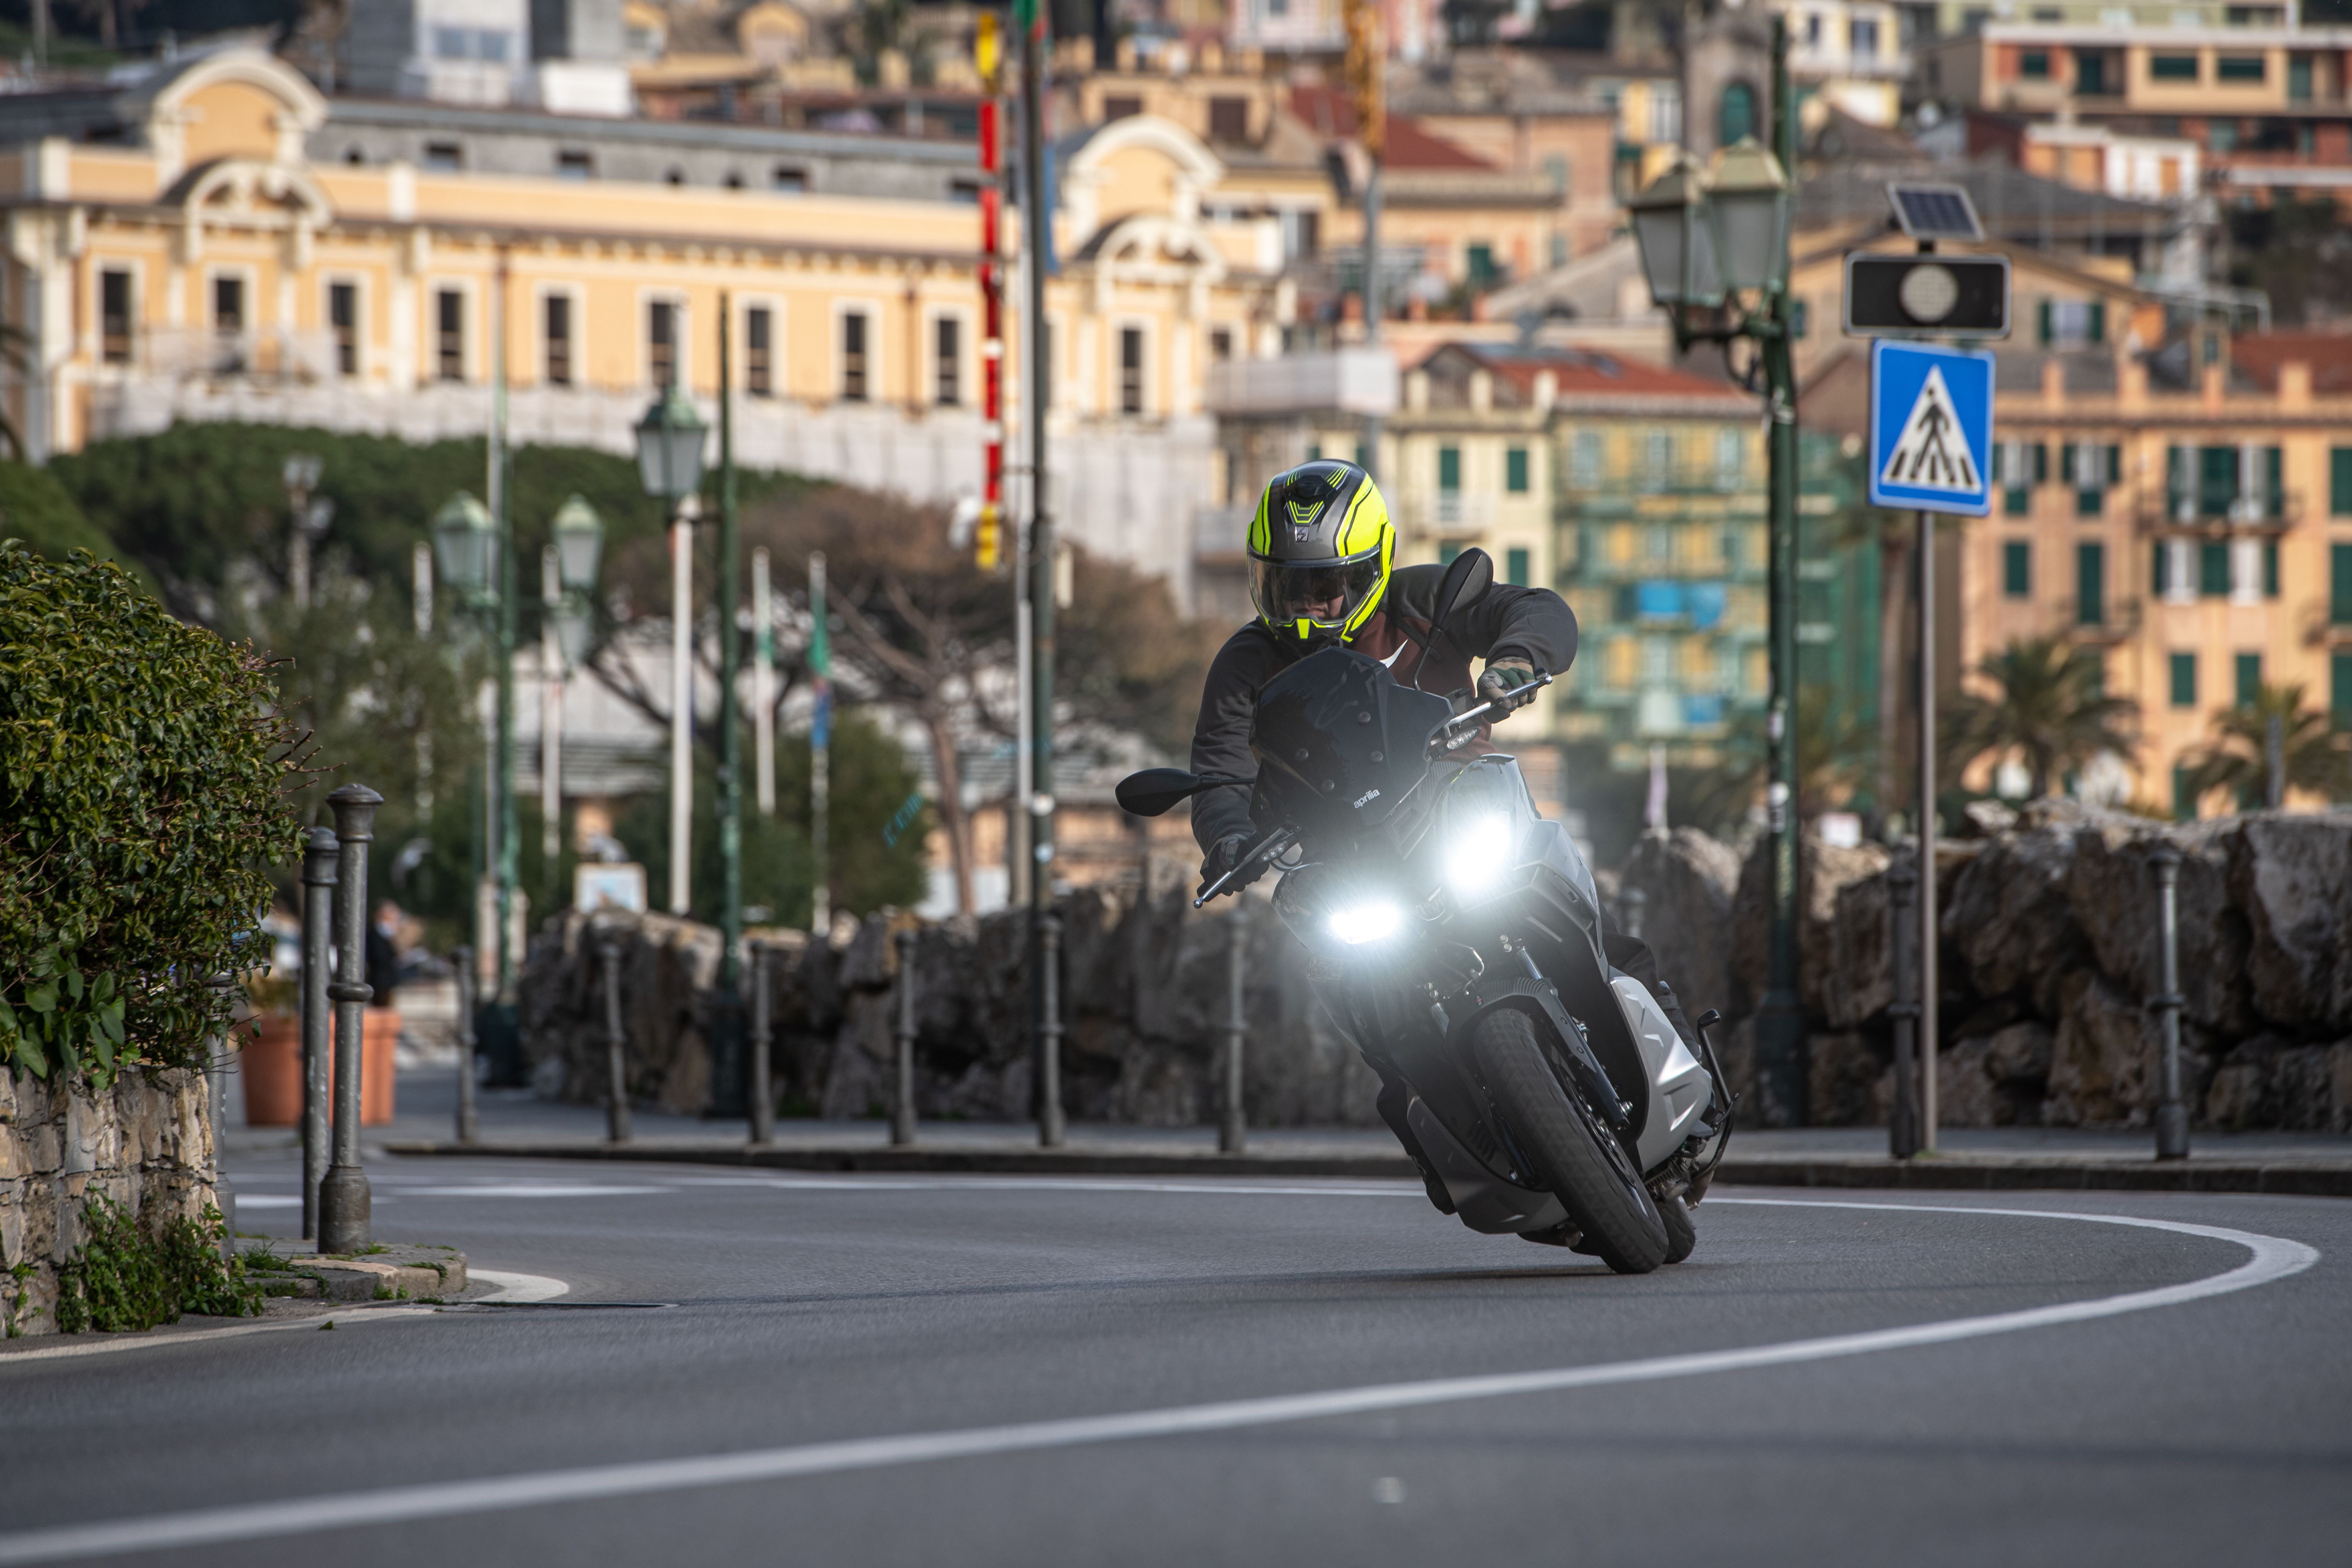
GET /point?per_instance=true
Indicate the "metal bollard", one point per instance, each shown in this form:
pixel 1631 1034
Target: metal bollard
pixel 1231 1123
pixel 1630 905
pixel 902 1073
pixel 1049 1033
pixel 2171 1115
pixel 1903 1116
pixel 468 1123
pixel 763 1089
pixel 345 1203
pixel 616 1061
pixel 318 857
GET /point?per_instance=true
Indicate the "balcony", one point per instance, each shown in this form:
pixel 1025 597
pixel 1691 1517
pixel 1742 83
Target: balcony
pixel 274 355
pixel 1449 513
pixel 1345 381
pixel 2272 506
pixel 1220 534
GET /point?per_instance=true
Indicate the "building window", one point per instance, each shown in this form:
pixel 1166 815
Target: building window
pixel 555 317
pixel 661 343
pixel 2090 585
pixel 2033 65
pixel 2184 795
pixel 853 356
pixel 947 352
pixel 2090 73
pixel 1449 471
pixel 445 156
pixel 451 43
pixel 2017 569
pixel 228 306
pixel 788 179
pixel 2184 680
pixel 2339 482
pixel 2340 690
pixel 2239 68
pixel 2270 569
pixel 2214 568
pixel 1514 470
pixel 1735 114
pixel 1221 345
pixel 1122 108
pixel 2248 667
pixel 2172 67
pixel 575 165
pixel 2072 323
pixel 2298 79
pixel 1479 262
pixel 114 317
pixel 1865 36
pixel 1517 566
pixel 1587 451
pixel 450 323
pixel 1130 369
pixel 2339 585
pixel 759 352
pixel 1229 119
pixel 344 320
pixel 1556 171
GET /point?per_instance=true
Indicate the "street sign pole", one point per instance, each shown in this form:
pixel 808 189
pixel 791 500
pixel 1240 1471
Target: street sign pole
pixel 1926 1078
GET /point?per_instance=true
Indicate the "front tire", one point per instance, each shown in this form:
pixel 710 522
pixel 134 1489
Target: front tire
pixel 1574 1152
pixel 1681 1233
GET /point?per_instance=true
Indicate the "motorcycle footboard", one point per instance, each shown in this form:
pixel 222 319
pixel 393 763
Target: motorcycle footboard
pixel 1481 1200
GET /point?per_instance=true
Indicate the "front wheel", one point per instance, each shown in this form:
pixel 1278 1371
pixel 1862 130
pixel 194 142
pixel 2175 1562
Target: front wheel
pixel 1574 1152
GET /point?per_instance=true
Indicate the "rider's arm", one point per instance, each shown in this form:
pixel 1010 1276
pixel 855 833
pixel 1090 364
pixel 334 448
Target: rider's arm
pixel 1221 734
pixel 1535 624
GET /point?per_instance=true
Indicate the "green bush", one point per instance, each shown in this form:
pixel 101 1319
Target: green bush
pixel 141 768
pixel 125 1278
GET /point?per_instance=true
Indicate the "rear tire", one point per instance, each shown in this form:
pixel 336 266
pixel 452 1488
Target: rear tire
pixel 1681 1233
pixel 1574 1152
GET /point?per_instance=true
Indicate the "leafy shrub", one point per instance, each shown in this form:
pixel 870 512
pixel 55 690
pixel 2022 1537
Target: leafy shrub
pixel 125 1278
pixel 141 768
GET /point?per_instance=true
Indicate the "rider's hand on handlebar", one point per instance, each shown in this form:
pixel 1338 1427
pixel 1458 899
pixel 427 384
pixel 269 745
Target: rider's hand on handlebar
pixel 1503 676
pixel 1222 858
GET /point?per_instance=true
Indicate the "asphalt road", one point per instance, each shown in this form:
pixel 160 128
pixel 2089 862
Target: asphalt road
pixel 2210 1424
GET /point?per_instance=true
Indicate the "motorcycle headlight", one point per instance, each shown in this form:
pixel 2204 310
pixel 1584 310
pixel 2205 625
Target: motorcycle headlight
pixel 1479 851
pixel 1361 923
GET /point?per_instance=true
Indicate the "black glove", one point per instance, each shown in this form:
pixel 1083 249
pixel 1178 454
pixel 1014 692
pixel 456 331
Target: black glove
pixel 1503 676
pixel 1223 858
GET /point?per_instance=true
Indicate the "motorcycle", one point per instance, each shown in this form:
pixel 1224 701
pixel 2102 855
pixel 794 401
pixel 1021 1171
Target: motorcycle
pixel 1455 938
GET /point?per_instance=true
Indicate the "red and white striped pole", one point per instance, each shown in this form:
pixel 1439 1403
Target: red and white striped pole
pixel 988 539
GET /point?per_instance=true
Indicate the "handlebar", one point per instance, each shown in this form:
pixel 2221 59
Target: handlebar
pixel 1273 844
pixel 1446 740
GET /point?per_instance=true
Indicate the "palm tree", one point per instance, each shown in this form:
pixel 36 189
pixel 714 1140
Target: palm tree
pixel 2312 753
pixel 2053 706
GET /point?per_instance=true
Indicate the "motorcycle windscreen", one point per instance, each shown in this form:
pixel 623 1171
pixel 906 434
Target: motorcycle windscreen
pixel 1339 743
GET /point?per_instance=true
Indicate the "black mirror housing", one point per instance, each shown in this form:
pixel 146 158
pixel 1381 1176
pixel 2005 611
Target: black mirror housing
pixel 1155 792
pixel 1467 576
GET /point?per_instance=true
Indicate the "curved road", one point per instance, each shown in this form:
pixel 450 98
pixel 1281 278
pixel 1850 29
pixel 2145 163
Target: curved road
pixel 1797 1392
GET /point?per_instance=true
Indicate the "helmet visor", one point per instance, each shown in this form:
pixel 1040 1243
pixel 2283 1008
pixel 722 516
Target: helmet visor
pixel 1323 593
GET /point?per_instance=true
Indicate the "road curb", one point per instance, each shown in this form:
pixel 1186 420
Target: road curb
pixel 1944 1173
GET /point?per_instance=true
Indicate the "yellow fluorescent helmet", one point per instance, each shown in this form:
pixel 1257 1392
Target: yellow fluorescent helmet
pixel 1320 548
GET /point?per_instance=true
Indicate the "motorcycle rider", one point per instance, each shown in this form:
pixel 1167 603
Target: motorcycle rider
pixel 1321 551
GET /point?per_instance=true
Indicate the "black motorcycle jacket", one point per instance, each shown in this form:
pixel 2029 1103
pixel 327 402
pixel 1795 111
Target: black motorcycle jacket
pixel 1535 624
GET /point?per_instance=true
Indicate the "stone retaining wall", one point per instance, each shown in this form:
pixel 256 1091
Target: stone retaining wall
pixel 146 1143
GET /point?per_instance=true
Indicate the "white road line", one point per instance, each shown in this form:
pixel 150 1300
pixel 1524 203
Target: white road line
pixel 267 1200
pixel 1032 1183
pixel 514 1288
pixel 528 1190
pixel 2274 1258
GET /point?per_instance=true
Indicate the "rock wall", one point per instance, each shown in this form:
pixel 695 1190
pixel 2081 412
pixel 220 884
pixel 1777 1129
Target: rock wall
pixel 2048 953
pixel 146 1143
pixel 1144 1002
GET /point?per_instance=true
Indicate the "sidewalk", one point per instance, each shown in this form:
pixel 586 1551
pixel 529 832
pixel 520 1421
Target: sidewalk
pixel 515 1124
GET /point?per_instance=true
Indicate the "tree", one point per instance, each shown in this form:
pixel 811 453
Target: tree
pixel 2050 705
pixel 2312 752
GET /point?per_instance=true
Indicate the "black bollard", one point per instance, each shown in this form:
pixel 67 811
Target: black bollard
pixel 345 1203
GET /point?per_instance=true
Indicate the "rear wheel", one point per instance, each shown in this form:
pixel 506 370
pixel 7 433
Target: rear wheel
pixel 1574 1152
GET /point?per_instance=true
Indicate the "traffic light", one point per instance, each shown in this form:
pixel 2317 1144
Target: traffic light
pixel 1927 296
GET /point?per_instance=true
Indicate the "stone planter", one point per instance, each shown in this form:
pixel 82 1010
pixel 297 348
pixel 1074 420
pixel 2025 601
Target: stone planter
pixel 271 1066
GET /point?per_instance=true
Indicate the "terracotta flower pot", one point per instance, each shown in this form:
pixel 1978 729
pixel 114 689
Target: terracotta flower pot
pixel 271 1066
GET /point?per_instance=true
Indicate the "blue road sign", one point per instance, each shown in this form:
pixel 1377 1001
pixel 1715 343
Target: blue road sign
pixel 1930 428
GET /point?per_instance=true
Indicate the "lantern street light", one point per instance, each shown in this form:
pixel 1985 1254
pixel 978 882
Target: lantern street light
pixel 567 581
pixel 669 459
pixel 1715 249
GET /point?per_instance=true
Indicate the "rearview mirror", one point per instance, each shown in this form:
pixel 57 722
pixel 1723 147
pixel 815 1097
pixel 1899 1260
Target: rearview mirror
pixel 1155 792
pixel 1470 574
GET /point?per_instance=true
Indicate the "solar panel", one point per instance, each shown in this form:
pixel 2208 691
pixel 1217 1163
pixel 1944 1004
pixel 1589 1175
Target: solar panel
pixel 1935 212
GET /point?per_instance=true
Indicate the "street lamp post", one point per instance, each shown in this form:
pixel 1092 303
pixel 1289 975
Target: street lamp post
pixel 1710 241
pixel 670 461
pixel 470 547
pixel 567 581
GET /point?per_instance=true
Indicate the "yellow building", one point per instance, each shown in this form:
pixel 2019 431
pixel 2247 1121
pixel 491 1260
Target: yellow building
pixel 213 242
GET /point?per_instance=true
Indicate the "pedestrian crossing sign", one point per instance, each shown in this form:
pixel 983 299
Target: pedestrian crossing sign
pixel 1930 428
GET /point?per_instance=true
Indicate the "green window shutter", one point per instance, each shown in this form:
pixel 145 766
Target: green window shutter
pixel 1314 451
pixel 2115 464
pixel 2270 569
pixel 2339 585
pixel 1516 567
pixel 2160 575
pixel 2249 670
pixel 1449 467
pixel 2212 568
pixel 2042 321
pixel 1514 470
pixel 2016 501
pixel 2339 688
pixel 2041 464
pixel 2090 585
pixel 2066 463
pixel 2339 482
pixel 2184 680
pixel 2184 796
pixel 1359 454
pixel 2274 481
pixel 2017 569
pixel 2098 323
pixel 2090 501
pixel 1446 553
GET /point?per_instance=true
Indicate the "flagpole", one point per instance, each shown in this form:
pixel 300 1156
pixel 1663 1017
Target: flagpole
pixel 820 665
